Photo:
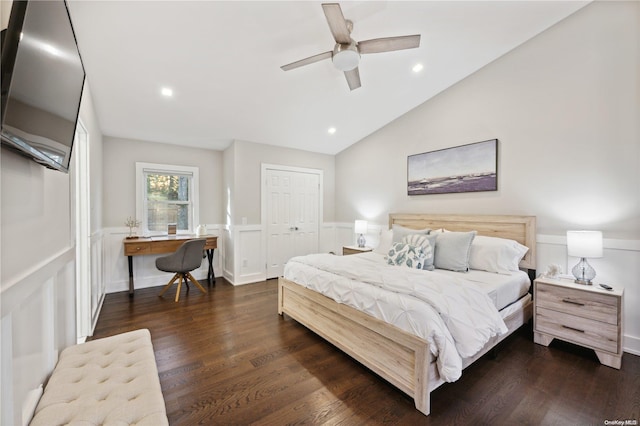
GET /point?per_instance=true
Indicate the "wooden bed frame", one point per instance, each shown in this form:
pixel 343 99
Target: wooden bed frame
pixel 400 357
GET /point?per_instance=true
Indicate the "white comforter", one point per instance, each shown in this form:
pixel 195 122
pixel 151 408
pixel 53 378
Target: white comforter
pixel 450 313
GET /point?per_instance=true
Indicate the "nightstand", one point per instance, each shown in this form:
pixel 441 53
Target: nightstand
pixel 586 315
pixel 354 250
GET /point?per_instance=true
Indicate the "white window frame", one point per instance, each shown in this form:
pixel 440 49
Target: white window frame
pixel 141 196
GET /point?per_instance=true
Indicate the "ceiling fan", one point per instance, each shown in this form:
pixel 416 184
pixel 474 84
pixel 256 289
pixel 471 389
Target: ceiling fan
pixel 346 53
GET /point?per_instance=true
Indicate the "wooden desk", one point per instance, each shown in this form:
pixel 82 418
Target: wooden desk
pixel 165 244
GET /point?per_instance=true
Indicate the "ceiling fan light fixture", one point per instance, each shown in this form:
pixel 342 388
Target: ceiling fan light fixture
pixel 346 52
pixel 346 56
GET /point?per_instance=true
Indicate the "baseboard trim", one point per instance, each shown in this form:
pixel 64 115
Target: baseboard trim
pixel 632 345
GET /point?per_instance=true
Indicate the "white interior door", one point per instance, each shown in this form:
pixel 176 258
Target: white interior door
pixel 293 204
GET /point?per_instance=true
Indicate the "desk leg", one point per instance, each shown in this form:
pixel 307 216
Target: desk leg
pixel 211 276
pixel 130 276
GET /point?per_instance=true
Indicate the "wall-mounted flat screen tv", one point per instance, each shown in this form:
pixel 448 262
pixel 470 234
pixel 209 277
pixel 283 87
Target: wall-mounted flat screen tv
pixel 42 82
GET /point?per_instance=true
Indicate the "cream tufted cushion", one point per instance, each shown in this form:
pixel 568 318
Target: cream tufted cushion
pixel 106 381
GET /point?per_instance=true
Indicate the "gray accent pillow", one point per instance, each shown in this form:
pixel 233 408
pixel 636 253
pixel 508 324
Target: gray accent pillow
pixel 453 250
pixel 399 232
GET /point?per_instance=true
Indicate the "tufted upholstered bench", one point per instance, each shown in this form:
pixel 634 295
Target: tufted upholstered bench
pixel 105 381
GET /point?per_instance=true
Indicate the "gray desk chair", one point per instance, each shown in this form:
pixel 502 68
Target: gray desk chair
pixel 187 258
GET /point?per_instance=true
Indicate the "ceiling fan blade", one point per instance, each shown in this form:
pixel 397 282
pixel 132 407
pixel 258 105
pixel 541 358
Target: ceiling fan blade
pixel 388 44
pixel 337 23
pixel 353 78
pixel 307 61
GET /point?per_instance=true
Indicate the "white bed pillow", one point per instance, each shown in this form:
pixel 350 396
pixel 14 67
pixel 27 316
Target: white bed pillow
pixel 399 232
pixel 453 250
pixel 386 237
pixel 401 254
pixel 428 244
pixel 494 254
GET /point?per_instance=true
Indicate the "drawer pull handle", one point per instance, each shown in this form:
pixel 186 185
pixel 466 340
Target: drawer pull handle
pixel 572 302
pixel 574 329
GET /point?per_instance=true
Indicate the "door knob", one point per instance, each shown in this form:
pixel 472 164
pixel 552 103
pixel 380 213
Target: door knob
pixel 293 228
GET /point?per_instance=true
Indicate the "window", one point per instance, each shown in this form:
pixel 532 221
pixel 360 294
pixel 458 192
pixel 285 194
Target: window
pixel 166 194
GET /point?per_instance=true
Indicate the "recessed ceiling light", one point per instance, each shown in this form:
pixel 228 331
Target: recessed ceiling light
pixel 417 67
pixel 166 92
pixel 331 130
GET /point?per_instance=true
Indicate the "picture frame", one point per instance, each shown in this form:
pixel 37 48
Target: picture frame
pixel 466 168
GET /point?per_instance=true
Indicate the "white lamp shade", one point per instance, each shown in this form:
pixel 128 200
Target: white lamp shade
pixel 584 244
pixel 360 227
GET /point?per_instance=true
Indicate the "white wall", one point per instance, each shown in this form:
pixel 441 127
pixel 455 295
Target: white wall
pixel 90 121
pixel 119 201
pixel 37 287
pixel 565 107
pixel 119 168
pixel 243 187
pixel 248 161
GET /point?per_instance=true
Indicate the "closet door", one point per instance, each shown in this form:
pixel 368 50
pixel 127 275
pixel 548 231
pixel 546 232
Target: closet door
pixel 293 203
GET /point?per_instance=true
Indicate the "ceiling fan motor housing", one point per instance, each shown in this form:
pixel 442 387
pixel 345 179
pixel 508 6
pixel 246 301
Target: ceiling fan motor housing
pixel 346 56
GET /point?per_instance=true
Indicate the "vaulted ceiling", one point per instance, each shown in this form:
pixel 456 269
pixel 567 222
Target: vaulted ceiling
pixel 222 61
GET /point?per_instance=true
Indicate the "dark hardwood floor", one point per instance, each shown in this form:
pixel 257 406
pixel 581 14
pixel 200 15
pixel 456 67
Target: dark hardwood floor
pixel 227 357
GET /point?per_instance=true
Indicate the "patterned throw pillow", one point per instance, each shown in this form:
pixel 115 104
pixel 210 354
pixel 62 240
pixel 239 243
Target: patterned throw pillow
pixel 402 254
pixel 428 243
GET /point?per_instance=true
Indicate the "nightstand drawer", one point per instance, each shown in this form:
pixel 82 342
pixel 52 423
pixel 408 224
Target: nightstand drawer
pixel 347 250
pixel 579 330
pixel 596 306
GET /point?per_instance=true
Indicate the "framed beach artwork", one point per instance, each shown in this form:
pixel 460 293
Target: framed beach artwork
pixel 465 168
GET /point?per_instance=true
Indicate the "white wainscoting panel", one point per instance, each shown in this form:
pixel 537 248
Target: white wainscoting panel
pixel 250 261
pixel 327 238
pixel 98 284
pixel 38 321
pixel 346 237
pixel 229 254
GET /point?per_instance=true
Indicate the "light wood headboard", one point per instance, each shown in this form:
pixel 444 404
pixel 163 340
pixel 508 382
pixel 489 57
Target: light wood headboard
pixel 519 228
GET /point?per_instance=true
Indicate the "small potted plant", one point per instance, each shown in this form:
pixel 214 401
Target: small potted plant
pixel 132 223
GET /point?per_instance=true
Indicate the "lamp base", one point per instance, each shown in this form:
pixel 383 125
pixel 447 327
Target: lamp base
pixel 583 272
pixel 361 241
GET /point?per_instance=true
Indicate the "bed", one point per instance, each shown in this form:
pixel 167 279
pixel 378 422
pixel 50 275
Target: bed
pixel 401 357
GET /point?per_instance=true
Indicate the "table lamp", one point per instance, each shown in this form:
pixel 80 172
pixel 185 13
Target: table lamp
pixel 360 227
pixel 584 244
